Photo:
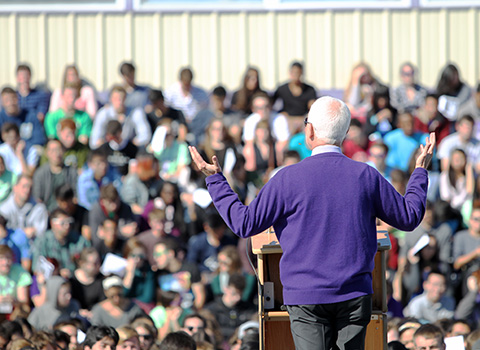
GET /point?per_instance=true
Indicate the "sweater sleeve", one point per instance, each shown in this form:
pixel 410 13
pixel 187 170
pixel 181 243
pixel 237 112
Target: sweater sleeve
pixel 402 212
pixel 246 221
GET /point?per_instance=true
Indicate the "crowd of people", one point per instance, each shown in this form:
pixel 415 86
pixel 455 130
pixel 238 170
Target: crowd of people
pixel 108 236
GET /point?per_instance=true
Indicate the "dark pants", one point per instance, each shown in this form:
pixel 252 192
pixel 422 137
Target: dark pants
pixel 331 326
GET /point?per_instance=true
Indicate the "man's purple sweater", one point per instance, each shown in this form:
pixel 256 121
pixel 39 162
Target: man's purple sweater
pixel 324 212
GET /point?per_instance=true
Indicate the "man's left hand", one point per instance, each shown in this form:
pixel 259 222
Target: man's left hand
pixel 426 152
pixel 202 165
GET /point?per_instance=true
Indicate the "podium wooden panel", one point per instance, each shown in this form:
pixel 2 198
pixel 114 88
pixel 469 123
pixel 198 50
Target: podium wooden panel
pixel 275 331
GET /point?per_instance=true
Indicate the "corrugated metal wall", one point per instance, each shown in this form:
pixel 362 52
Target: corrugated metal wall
pixel 219 45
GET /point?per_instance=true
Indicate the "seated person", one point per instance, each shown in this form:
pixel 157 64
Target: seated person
pixel 98 173
pixel 87 280
pixel 18 242
pixel 118 151
pixel 71 327
pixel 59 304
pixel 139 281
pixel 22 211
pixel 66 200
pixel 108 241
pixel 7 181
pixel 116 310
pixel 14 282
pixel 156 233
pixel 60 242
pixel 229 264
pixel 13 150
pixel 433 304
pixel 204 247
pixel 176 275
pixel 171 153
pixel 102 337
pixel 31 129
pixel 229 310
pixel 110 206
pixel 161 111
pixel 135 127
pixel 86 101
pixel 71 91
pixel 52 174
pixel 75 152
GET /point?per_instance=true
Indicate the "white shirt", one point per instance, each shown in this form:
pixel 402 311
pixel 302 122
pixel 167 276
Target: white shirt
pixel 190 104
pixel 278 124
pixel 325 149
pixel 11 160
pixel 451 142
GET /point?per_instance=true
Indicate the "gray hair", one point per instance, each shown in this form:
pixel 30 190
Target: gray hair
pixel 330 119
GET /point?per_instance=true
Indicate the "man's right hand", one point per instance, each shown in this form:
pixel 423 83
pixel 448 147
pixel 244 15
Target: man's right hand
pixel 202 165
pixel 426 152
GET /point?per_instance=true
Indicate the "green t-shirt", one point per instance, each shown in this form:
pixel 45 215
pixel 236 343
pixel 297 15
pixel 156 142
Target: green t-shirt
pixel 17 277
pixel 82 121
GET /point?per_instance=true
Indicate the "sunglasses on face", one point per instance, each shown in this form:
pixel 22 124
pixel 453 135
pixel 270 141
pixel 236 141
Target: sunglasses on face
pixel 190 328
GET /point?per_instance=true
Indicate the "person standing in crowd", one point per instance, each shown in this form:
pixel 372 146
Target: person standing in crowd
pixel 297 97
pixel 185 96
pixel 31 129
pixel 329 305
pixel 242 98
pixel 134 122
pixel 137 95
pixel 409 95
pixel 82 120
pixel 86 100
pixel 31 99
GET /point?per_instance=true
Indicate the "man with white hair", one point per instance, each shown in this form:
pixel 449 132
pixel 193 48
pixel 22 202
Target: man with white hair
pixel 324 212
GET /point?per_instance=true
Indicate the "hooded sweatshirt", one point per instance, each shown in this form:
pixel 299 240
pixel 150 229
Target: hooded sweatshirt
pixel 45 316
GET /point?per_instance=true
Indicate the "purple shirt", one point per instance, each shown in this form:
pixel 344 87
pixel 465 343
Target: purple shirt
pixel 324 212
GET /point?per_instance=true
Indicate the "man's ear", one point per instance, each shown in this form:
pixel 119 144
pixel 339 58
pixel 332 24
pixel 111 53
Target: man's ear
pixel 309 131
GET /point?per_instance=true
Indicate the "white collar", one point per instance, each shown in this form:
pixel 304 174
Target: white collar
pixel 326 149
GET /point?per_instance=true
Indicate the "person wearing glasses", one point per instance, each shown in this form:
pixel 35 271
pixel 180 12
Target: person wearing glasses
pixel 409 95
pixel 176 274
pixel 146 333
pixel 60 242
pixel 324 211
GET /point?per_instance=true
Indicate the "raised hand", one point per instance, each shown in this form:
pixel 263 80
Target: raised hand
pixel 202 165
pixel 426 152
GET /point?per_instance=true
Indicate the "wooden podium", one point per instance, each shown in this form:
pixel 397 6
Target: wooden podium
pixel 275 331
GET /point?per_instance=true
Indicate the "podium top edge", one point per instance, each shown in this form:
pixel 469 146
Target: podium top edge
pixel 267 242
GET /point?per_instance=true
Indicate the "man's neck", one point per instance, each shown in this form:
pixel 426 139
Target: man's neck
pixel 61 240
pixel 24 90
pixel 474 233
pixel 19 202
pixel 56 168
pixel 212 240
pixel 158 233
pixel 69 111
pixel 175 265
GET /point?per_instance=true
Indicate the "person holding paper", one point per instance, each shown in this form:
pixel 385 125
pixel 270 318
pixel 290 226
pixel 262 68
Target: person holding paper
pixel 324 212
